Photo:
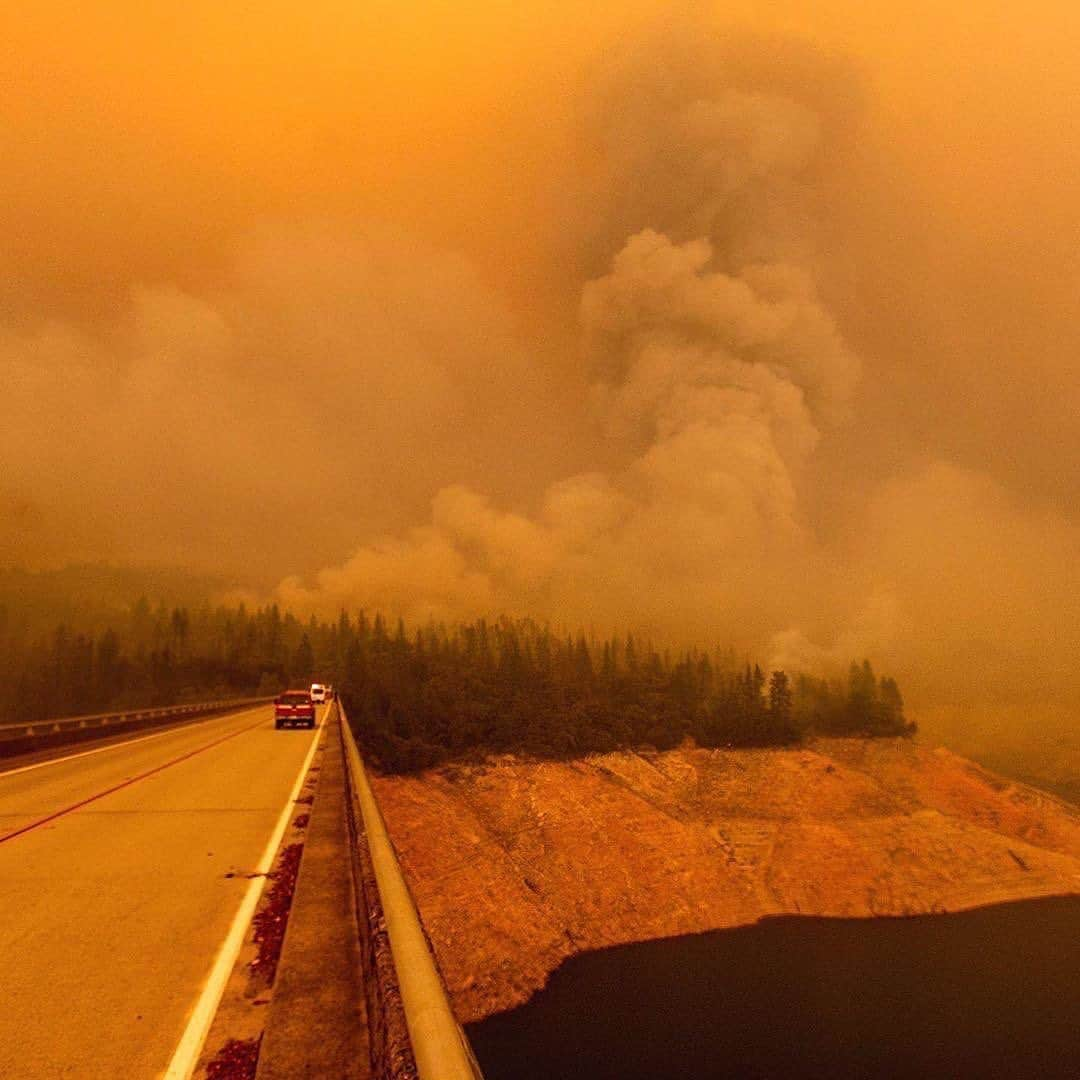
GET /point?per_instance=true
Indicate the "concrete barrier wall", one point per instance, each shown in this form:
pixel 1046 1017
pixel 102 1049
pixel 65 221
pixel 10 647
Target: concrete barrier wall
pixel 44 734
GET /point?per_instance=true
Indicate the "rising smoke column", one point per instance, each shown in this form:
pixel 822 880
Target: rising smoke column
pixel 715 369
pixel 201 340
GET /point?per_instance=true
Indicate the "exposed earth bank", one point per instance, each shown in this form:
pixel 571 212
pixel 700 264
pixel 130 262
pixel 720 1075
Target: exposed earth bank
pixel 517 865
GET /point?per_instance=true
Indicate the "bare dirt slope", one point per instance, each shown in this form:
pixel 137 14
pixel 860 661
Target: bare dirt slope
pixel 516 866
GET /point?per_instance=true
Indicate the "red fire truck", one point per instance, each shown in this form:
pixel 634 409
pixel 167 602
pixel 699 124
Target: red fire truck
pixel 294 708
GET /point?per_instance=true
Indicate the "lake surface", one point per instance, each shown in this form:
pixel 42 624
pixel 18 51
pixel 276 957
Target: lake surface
pixel 987 993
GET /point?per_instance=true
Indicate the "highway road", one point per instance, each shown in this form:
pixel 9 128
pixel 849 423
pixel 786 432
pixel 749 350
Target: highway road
pixel 122 870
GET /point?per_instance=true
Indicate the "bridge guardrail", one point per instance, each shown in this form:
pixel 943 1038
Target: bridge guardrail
pixel 405 984
pixel 79 726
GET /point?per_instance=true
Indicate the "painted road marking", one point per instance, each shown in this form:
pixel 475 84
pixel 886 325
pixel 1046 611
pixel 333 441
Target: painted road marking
pixel 186 1055
pixel 123 784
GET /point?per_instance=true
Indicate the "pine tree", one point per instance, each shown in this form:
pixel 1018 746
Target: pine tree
pixel 892 707
pixel 303 665
pixel 780 705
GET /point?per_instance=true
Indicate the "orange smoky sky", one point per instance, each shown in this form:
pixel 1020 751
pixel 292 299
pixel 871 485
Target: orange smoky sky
pixel 751 327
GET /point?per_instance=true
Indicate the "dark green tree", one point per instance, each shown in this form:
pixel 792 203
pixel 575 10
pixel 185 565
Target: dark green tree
pixel 302 667
pixel 781 718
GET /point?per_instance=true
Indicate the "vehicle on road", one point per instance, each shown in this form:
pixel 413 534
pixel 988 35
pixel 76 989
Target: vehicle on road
pixel 318 693
pixel 294 708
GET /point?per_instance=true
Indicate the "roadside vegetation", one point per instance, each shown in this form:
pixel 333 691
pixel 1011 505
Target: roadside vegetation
pixel 442 693
pixel 151 656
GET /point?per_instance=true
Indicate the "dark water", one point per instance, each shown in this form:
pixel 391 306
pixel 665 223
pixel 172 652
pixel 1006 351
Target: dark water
pixel 987 993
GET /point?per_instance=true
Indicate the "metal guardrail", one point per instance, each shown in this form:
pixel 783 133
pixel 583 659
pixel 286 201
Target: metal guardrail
pixel 439 1049
pixel 37 729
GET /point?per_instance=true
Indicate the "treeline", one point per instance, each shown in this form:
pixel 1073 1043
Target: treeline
pixel 156 656
pixel 440 693
pixel 445 693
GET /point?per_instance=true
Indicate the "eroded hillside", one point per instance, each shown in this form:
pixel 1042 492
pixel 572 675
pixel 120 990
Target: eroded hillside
pixel 516 866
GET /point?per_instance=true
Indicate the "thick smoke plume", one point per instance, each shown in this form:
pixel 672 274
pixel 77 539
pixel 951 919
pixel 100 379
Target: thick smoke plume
pixel 721 335
pixel 715 386
pixel 713 375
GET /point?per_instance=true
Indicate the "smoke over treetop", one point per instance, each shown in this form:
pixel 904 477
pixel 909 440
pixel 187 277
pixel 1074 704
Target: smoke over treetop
pixel 601 315
pixel 714 384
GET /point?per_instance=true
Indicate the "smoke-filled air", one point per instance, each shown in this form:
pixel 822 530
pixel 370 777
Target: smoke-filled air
pixel 682 319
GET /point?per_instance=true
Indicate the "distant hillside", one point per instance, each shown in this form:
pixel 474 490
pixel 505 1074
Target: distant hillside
pixel 1053 766
pixel 90 597
pixel 516 866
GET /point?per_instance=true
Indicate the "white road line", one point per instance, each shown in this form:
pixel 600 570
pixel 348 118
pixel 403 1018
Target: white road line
pixel 117 746
pixel 186 1055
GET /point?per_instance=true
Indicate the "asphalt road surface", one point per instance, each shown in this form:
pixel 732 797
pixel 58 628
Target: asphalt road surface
pixel 121 870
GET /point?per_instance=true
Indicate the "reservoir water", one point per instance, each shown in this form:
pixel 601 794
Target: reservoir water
pixel 993 992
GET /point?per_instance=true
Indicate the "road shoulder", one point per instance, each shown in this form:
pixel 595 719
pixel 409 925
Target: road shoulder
pixel 317 1025
pixel 296 1008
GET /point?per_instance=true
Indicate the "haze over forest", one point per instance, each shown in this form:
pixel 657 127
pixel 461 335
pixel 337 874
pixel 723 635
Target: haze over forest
pixel 713 325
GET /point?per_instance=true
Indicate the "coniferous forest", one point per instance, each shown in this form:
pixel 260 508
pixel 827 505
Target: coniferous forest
pixel 439 693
